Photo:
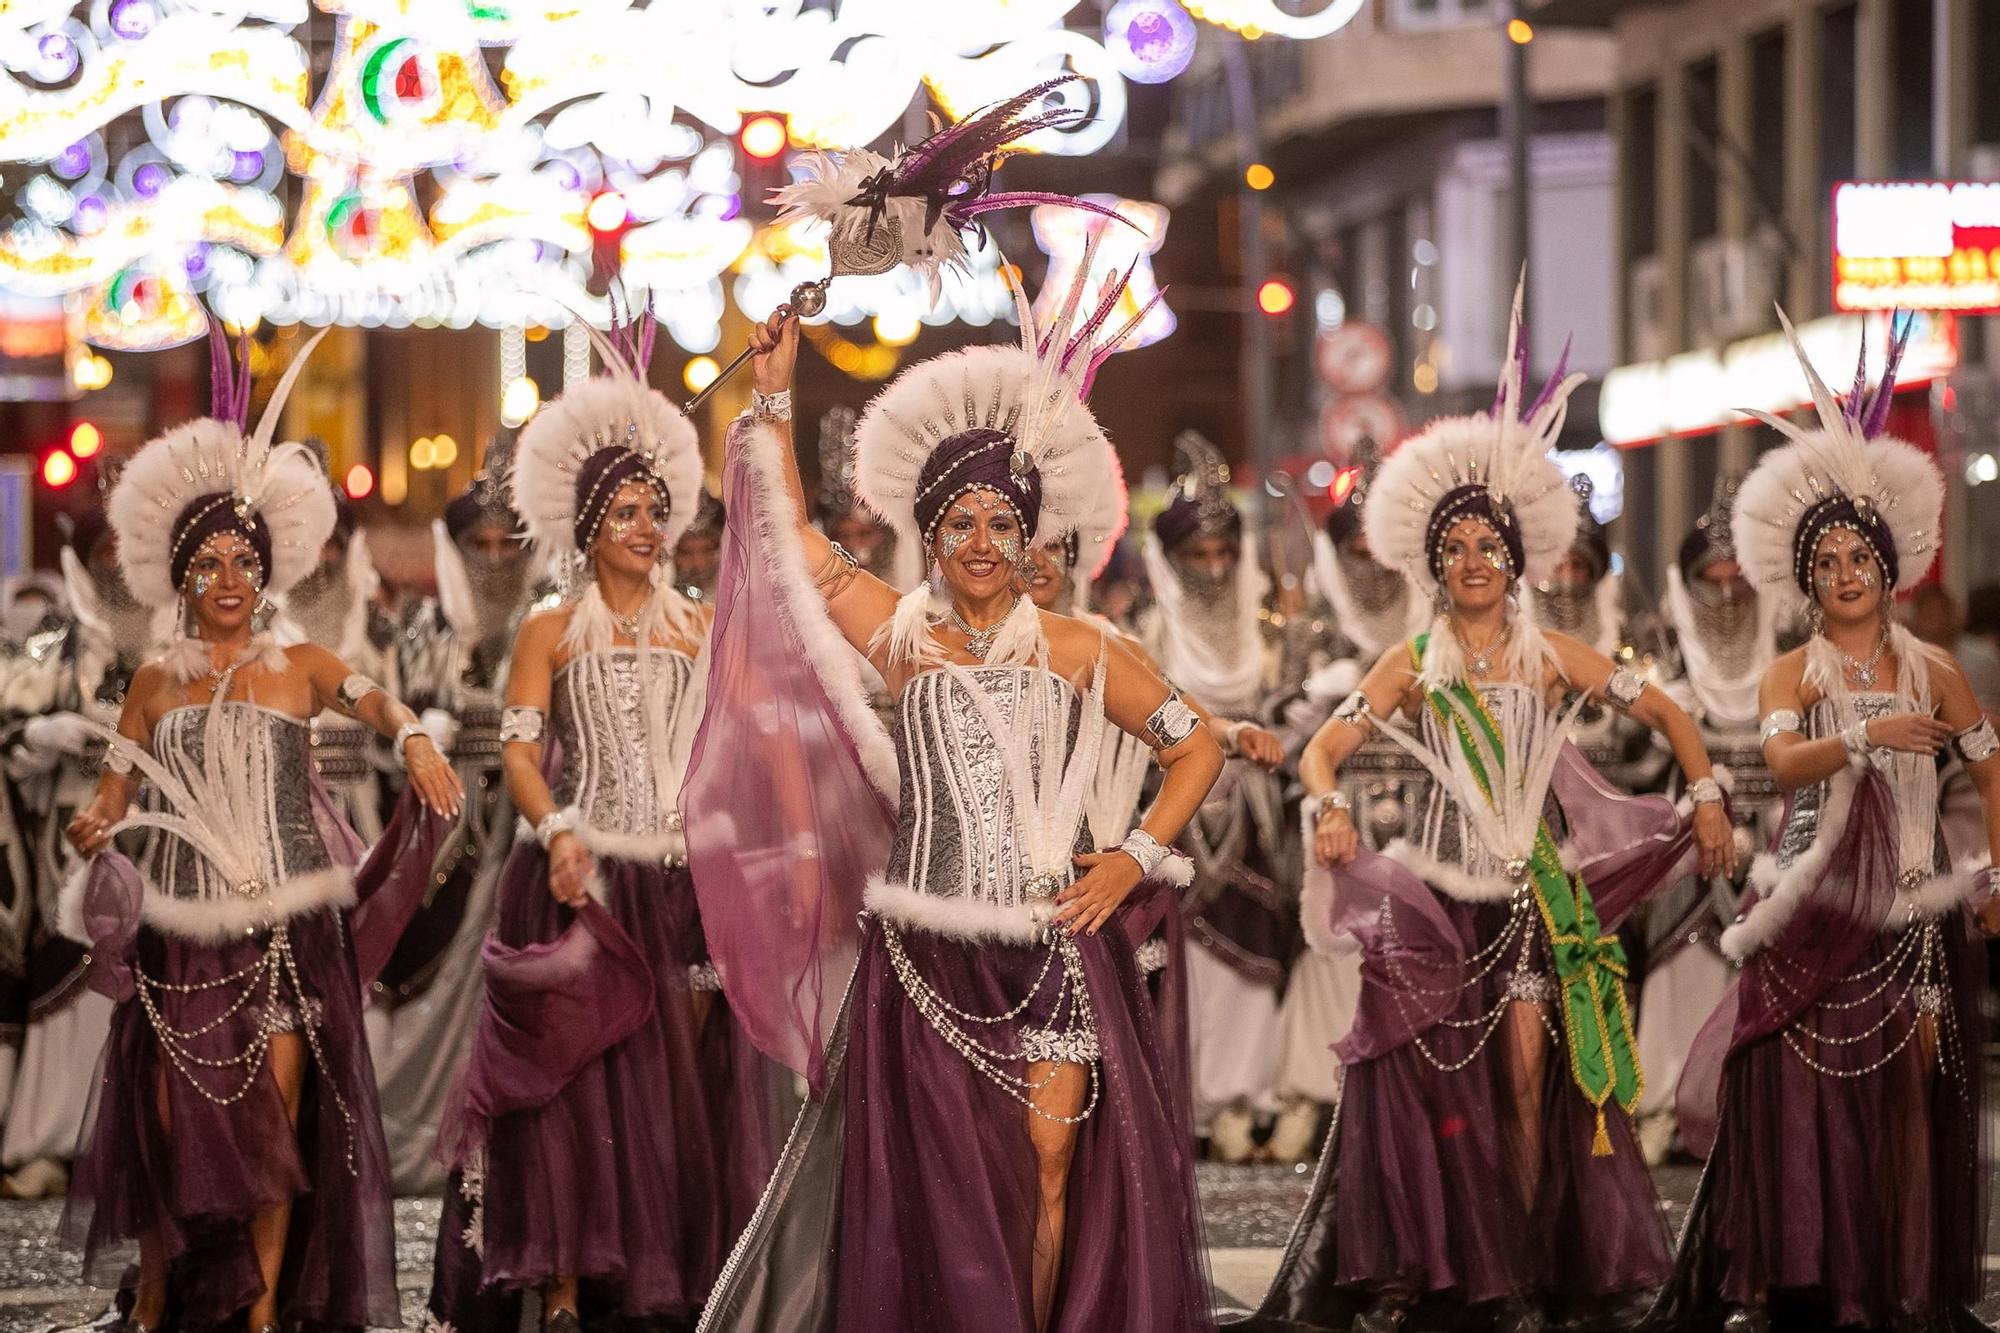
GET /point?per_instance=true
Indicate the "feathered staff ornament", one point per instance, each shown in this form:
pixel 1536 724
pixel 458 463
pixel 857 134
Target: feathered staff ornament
pixel 1843 473
pixel 912 208
pixel 209 476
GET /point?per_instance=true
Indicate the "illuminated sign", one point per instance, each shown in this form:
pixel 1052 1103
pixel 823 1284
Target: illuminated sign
pixel 1917 245
pixel 1701 391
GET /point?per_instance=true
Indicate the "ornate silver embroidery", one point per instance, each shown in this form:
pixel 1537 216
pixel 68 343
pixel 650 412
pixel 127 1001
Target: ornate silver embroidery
pixel 1532 987
pixel 617 743
pixel 520 722
pixel 1976 742
pixel 1076 1046
pixel 1623 689
pixel 1171 723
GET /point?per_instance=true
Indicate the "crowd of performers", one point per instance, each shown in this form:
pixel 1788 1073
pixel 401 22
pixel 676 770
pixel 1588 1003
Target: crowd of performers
pixel 819 913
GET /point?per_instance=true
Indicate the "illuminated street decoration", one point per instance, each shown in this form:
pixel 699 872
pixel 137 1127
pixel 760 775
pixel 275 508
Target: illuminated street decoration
pixel 1259 18
pixel 1917 245
pixel 1062 234
pixel 439 171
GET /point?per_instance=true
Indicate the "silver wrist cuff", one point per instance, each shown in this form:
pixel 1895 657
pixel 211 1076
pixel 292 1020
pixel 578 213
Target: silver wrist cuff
pixel 521 722
pixel 771 406
pixel 117 761
pixel 1171 723
pixel 1855 738
pixel 1780 722
pixel 550 824
pixel 1144 848
pixel 403 735
pixel 1705 791
pixel 1977 742
pixel 1332 800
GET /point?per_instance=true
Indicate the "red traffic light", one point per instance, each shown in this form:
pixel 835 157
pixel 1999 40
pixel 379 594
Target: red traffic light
pixel 58 468
pixel 1275 297
pixel 764 137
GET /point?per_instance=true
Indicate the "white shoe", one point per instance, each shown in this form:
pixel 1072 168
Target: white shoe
pixel 1296 1134
pixel 1229 1140
pixel 43 1178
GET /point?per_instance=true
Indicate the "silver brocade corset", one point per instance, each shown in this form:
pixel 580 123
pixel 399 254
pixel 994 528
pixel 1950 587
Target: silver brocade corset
pixel 266 769
pixel 962 829
pixel 340 749
pixel 617 722
pixel 1913 785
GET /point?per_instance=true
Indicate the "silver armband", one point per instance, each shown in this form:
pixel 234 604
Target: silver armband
pixel 354 689
pixel 403 735
pixel 1171 723
pixel 1976 742
pixel 1355 710
pixel 1780 722
pixel 1144 848
pixel 550 824
pixel 1704 791
pixel 521 722
pixel 771 406
pixel 1623 689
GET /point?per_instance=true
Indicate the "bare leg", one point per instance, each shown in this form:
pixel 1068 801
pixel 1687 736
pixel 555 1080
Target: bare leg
pixel 558 1294
pixel 1524 1049
pixel 268 1229
pixel 149 1301
pixel 1055 1143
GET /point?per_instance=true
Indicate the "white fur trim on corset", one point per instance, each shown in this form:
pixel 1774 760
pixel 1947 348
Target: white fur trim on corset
pixel 586 418
pixel 215 920
pixel 804 612
pixel 1780 891
pixel 958 917
pixel 188 659
pixel 1450 880
pixel 1897 479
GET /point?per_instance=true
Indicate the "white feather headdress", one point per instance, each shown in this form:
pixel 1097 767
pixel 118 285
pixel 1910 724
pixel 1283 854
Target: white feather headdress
pixel 614 409
pixel 1097 536
pixel 280 484
pixel 1498 458
pixel 1033 393
pixel 1844 472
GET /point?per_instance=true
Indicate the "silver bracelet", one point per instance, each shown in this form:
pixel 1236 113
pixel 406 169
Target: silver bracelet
pixel 1144 848
pixel 403 735
pixel 1780 722
pixel 550 824
pixel 1705 791
pixel 1855 738
pixel 771 406
pixel 1332 800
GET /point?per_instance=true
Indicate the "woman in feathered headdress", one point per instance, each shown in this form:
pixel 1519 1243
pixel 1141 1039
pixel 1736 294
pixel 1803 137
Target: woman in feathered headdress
pixel 236 1075
pixel 1841 1080
pixel 990 1143
pixel 610 1142
pixel 1483 1153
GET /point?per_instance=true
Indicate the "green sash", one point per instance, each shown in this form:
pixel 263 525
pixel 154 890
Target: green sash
pixel 1590 964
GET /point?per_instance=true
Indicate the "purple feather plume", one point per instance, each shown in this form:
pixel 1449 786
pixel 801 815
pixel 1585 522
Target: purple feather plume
pixel 1856 405
pixel 1548 393
pixel 228 381
pixel 1876 419
pixel 944 159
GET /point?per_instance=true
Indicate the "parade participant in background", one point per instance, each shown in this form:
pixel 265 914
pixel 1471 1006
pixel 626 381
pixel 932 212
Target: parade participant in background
pixel 233 1142
pixel 838 510
pixel 336 607
pixel 1841 1079
pixel 72 671
pixel 1205 630
pixel 1482 1155
pixel 453 659
pixel 612 1136
pixel 1725 633
pixel 992 1143
pixel 699 549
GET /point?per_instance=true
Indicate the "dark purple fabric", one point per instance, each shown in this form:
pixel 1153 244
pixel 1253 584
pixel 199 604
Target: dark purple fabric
pixel 640 1166
pixel 940 1189
pixel 196 1181
pixel 1868 1190
pixel 976 460
pixel 390 885
pixel 1154 910
pixel 110 909
pixel 773 773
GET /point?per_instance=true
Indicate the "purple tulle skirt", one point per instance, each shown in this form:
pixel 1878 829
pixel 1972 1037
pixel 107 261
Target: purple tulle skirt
pixel 909 1195
pixel 1419 1192
pixel 196 1181
pixel 638 1173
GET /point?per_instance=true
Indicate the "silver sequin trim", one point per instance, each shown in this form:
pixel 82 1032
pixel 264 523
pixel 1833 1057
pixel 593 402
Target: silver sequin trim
pixel 1172 722
pixel 518 722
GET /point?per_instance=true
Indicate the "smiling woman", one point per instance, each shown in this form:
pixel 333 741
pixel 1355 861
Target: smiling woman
pixel 987 1012
pixel 236 1076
